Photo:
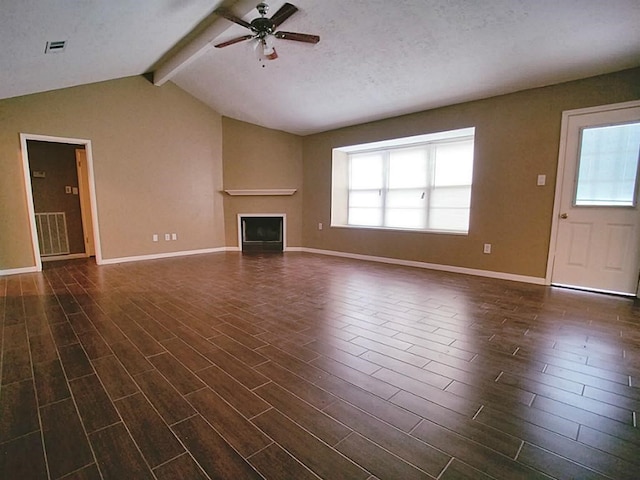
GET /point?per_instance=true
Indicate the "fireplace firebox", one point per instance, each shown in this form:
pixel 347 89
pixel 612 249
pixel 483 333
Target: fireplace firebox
pixel 262 233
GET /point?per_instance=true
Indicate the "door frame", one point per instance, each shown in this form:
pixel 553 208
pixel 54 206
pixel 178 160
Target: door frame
pixel 29 192
pixel 85 202
pixel 555 219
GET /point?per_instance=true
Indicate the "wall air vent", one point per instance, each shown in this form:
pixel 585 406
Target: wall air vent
pixel 55 47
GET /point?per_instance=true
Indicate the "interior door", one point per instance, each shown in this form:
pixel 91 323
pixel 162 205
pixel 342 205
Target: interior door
pixel 598 229
pixel 85 202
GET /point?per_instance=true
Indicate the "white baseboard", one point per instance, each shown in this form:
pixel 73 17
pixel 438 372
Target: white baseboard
pixel 70 256
pixel 156 256
pixel 355 256
pixel 18 271
pixel 431 266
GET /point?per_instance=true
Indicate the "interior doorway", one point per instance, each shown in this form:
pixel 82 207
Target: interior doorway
pixel 60 193
pixel 596 231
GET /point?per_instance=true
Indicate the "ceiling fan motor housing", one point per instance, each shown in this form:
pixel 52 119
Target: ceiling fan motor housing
pixel 262 26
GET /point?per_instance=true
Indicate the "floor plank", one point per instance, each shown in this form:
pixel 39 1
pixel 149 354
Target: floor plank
pixel 304 366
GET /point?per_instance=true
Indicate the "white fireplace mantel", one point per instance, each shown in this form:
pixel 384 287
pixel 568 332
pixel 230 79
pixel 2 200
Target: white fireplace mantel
pixel 262 191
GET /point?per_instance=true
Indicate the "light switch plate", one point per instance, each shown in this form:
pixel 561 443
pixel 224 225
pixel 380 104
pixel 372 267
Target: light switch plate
pixel 542 180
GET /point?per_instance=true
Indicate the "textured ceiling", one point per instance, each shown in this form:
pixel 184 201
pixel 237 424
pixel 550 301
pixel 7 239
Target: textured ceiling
pixel 106 39
pixel 375 59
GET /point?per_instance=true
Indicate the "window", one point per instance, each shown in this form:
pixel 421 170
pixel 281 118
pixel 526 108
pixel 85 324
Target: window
pixel 416 183
pixel 608 166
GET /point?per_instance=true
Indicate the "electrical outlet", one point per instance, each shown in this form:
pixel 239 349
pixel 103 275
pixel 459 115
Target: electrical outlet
pixel 542 180
pixel 487 248
pixel 174 236
pixel 155 237
pixel 319 226
pixel 167 237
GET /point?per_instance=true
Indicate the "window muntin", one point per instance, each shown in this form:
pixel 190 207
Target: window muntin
pixel 425 185
pixel 608 166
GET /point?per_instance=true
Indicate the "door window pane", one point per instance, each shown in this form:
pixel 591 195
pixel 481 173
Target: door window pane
pixel 608 166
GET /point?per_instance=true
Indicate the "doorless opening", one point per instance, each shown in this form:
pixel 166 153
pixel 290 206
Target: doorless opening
pixel 59 186
pixel 56 199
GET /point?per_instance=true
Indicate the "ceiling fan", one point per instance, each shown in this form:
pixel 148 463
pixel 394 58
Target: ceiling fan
pixel 263 29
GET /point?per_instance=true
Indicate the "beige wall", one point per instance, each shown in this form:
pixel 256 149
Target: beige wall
pixel 259 158
pixel 517 138
pixel 162 159
pixel 157 156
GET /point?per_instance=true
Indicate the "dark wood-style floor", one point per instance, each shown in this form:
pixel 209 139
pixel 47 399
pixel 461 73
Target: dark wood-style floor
pixel 302 366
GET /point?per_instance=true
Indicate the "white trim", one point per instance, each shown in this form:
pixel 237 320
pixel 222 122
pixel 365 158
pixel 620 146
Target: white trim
pixel 431 266
pixel 18 271
pixel 70 256
pixel 29 192
pixel 284 226
pixel 553 238
pixel 411 141
pixel 29 197
pixel 593 290
pixel 263 191
pixel 355 256
pixel 157 256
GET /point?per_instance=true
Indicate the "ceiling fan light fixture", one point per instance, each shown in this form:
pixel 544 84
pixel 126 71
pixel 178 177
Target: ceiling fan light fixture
pixel 264 50
pixel 268 50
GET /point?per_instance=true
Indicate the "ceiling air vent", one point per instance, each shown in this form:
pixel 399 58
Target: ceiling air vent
pixel 55 47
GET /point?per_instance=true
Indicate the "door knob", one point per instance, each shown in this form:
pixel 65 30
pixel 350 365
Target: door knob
pixel 564 215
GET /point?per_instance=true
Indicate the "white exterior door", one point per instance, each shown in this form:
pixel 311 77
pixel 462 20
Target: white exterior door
pixel 598 218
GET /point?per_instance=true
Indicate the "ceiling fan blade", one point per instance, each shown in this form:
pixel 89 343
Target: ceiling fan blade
pixel 234 40
pixel 283 13
pixel 223 12
pixel 298 37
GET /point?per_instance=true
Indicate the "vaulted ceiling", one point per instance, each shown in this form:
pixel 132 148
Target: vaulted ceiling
pixel 375 59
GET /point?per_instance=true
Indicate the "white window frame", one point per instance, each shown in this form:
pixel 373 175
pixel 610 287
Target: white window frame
pixel 341 170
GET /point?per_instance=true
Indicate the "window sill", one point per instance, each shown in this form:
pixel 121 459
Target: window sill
pixel 406 230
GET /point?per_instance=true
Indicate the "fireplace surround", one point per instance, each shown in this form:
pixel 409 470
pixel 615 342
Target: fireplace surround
pixel 261 232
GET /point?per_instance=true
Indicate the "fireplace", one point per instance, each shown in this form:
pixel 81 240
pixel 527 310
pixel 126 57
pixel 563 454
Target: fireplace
pixel 261 232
